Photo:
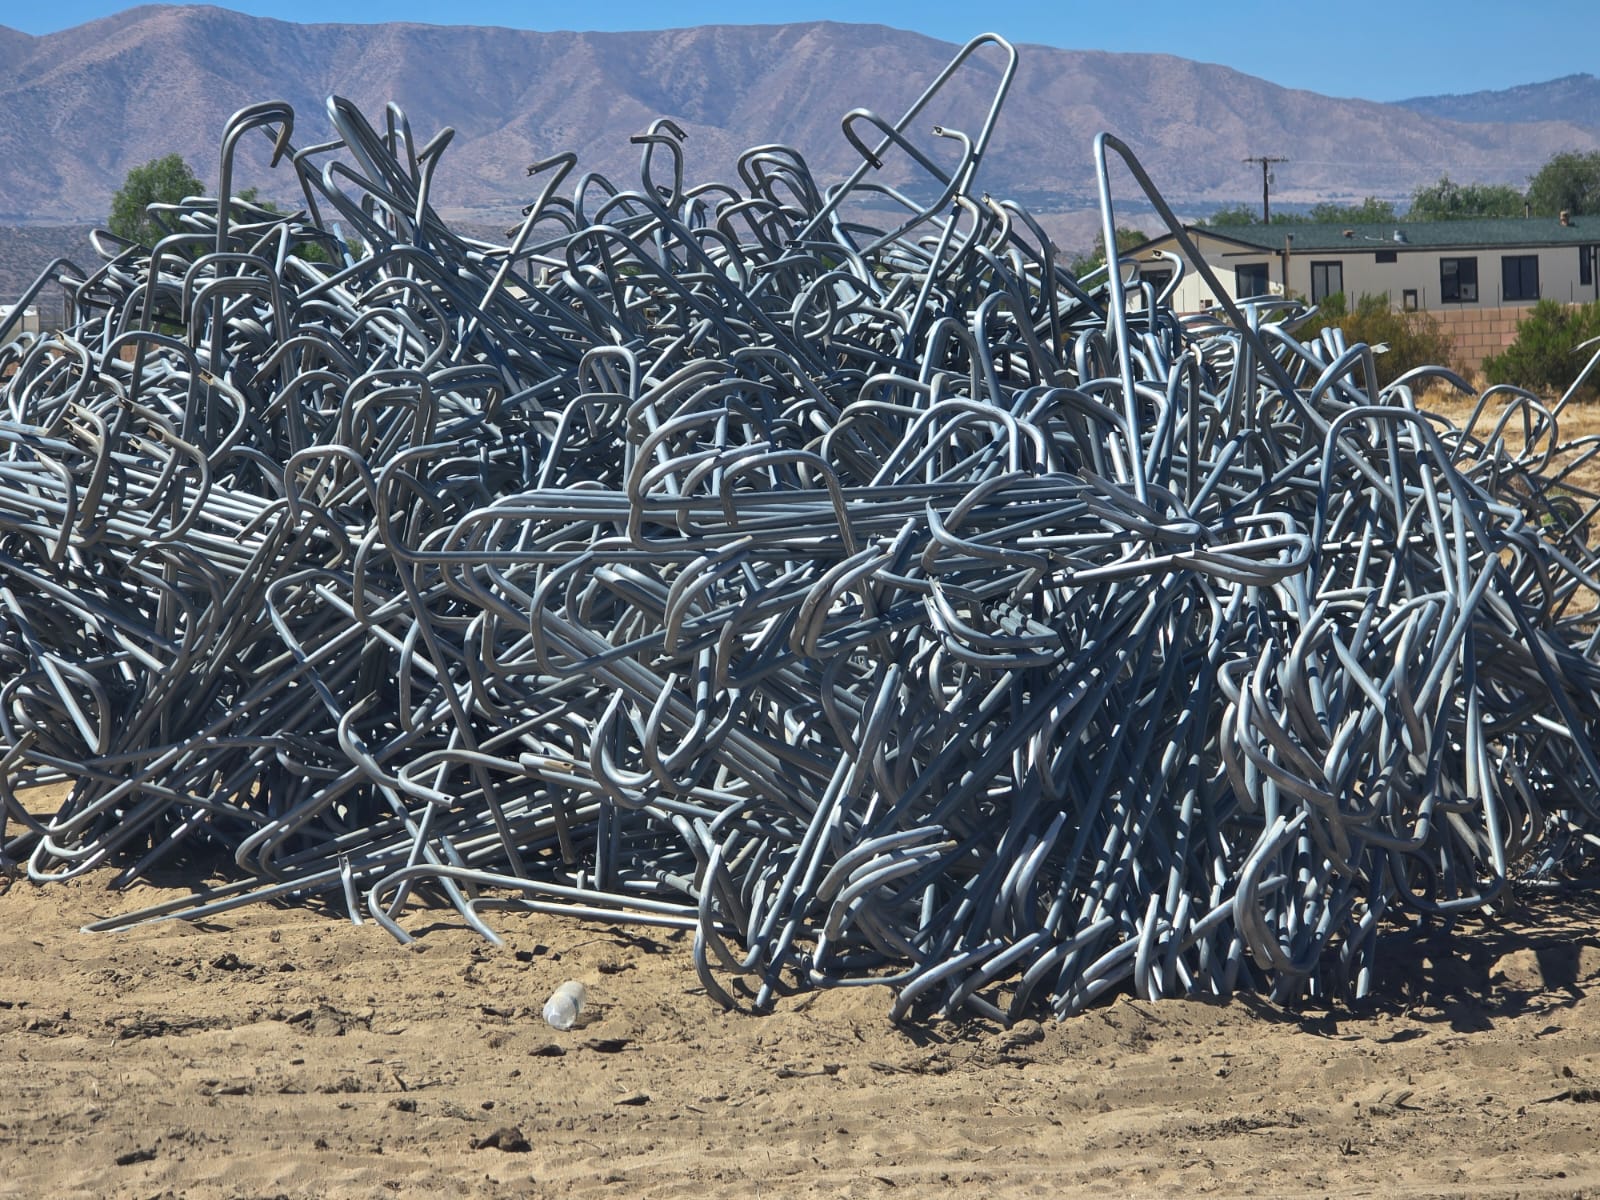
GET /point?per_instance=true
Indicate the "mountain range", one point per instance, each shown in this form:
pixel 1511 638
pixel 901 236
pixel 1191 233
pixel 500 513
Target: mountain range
pixel 1572 98
pixel 84 105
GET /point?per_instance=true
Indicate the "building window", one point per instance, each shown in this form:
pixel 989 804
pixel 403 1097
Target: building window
pixel 1386 256
pixel 1326 279
pixel 1519 277
pixel 1585 265
pixel 1458 280
pixel 1408 299
pixel 1156 279
pixel 1250 279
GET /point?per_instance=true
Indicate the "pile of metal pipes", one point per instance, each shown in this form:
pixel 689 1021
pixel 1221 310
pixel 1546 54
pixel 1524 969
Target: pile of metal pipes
pixel 822 570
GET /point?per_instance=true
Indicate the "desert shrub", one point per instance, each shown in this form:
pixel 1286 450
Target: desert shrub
pixel 1547 354
pixel 1414 339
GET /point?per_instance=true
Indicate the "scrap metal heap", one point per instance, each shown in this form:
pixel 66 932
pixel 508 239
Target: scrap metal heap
pixel 872 598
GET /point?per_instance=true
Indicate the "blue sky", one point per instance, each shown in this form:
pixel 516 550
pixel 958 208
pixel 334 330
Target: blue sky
pixel 1379 51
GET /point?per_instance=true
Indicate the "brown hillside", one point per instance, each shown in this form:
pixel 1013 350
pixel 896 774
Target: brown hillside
pixel 85 104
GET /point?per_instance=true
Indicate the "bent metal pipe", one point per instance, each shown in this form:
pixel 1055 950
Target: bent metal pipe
pixel 823 571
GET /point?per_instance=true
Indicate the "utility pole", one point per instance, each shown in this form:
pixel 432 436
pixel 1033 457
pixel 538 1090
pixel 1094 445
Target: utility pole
pixel 1266 161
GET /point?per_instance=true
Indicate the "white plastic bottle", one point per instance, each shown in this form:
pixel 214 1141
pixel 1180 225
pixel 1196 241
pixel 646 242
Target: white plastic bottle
pixel 564 1005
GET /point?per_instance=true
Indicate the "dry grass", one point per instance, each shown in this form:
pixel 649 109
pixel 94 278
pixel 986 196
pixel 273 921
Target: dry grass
pixel 1573 468
pixel 1577 422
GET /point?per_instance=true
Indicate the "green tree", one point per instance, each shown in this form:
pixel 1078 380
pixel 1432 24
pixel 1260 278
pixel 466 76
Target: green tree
pixel 309 251
pixel 1549 349
pixel 1448 200
pixel 1234 214
pixel 1127 239
pixel 160 181
pixel 1569 182
pixel 1412 339
pixel 1370 211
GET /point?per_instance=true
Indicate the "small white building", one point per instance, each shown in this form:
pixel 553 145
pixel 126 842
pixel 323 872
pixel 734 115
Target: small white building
pixel 28 324
pixel 1489 263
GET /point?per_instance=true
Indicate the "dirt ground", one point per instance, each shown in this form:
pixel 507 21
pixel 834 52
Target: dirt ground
pixel 287 1053
pixel 282 1052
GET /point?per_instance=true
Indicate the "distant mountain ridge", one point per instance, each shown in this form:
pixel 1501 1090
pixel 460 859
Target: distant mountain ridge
pixel 1573 98
pixel 84 105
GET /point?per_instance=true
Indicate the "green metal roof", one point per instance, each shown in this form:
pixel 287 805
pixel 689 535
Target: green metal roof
pixel 1429 235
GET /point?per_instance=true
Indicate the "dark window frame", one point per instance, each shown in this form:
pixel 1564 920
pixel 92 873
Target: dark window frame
pixel 1455 275
pixel 1260 271
pixel 1325 266
pixel 1158 278
pixel 1386 256
pixel 1519 277
pixel 1586 257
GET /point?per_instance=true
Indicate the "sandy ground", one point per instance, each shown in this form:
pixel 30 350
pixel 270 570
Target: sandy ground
pixel 286 1053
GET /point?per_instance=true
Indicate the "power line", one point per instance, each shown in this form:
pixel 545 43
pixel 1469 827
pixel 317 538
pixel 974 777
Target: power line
pixel 1266 161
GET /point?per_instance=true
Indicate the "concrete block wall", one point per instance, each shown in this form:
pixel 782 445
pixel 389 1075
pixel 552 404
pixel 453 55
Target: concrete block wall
pixel 1478 332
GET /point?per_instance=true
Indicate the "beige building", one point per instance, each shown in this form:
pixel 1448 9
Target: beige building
pixel 28 323
pixel 1441 266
